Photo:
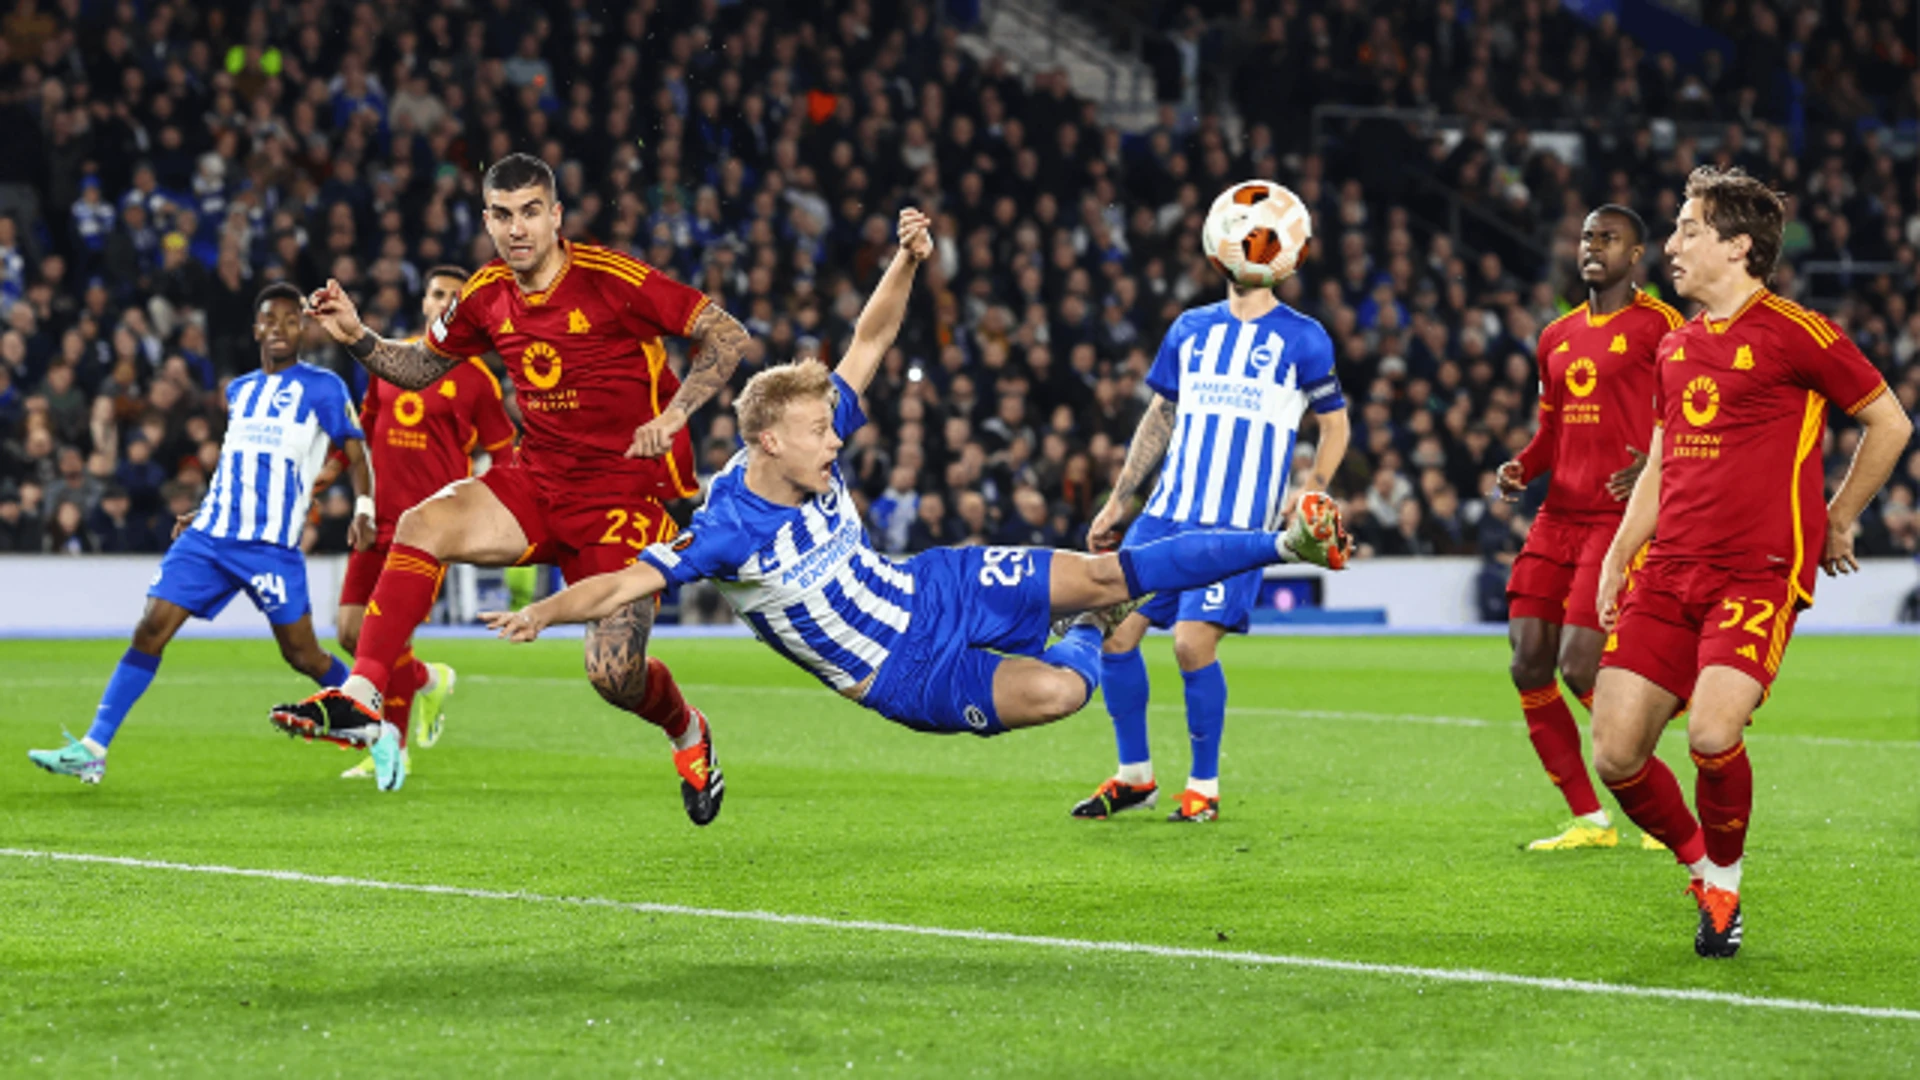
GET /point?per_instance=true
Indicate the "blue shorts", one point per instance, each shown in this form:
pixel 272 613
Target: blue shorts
pixel 966 601
pixel 1227 604
pixel 201 573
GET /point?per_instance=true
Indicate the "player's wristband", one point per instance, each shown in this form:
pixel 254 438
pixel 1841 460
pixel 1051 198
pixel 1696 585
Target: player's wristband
pixel 363 506
pixel 362 346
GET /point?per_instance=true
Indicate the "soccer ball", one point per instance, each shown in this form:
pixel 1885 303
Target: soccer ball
pixel 1256 233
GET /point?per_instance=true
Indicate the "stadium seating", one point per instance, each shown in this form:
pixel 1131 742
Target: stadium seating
pixel 164 163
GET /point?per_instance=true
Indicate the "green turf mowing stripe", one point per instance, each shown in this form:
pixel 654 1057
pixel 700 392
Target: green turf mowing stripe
pixel 1354 967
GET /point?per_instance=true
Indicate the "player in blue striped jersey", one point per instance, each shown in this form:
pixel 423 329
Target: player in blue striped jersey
pixel 1231 383
pixel 951 640
pixel 245 536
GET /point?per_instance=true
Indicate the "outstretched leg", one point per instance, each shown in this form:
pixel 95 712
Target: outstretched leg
pixel 1188 561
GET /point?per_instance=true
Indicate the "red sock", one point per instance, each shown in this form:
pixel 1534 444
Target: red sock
pixel 1556 738
pixel 1586 701
pixel 1651 797
pixel 663 704
pixel 1724 793
pixel 409 675
pixel 401 600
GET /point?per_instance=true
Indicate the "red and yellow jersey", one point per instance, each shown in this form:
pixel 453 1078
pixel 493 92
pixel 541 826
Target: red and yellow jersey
pixel 422 440
pixel 1596 400
pixel 1743 410
pixel 587 364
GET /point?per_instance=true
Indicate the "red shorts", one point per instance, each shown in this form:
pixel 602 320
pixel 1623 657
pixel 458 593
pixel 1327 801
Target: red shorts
pixel 583 531
pixel 1557 574
pixel 1678 619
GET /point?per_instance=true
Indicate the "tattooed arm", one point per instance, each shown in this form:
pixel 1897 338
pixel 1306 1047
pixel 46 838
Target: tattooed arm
pixel 408 365
pixel 719 340
pixel 1149 447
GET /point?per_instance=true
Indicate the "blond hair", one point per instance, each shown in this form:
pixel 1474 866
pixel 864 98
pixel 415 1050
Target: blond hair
pixel 767 395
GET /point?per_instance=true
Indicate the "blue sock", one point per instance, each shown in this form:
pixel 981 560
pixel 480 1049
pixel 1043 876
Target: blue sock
pixel 1206 718
pixel 1079 652
pixel 131 677
pixel 336 674
pixel 1194 559
pixel 1124 677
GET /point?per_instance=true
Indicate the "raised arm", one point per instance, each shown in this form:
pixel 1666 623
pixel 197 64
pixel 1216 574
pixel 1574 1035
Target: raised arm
pixel 410 365
pixel 594 598
pixel 880 319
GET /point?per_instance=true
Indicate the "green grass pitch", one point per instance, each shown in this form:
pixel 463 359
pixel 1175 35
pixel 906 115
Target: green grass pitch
pixel 1375 796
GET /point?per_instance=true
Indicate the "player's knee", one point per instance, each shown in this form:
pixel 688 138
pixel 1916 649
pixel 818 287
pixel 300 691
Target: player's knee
pixel 349 637
pixel 1062 693
pixel 1104 573
pixel 149 638
pixel 1616 754
pixel 1579 675
pixel 420 528
pixel 1530 669
pixel 1192 655
pixel 1712 731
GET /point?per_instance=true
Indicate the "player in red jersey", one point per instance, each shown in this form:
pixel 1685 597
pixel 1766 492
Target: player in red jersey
pixel 1731 497
pixel 1596 412
pixel 420 441
pixel 579 328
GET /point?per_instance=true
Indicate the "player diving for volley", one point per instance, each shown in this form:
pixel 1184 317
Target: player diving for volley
pixel 1231 383
pixel 1596 412
pixel 951 640
pixel 1732 498
pixel 579 327
pixel 245 536
pixel 419 442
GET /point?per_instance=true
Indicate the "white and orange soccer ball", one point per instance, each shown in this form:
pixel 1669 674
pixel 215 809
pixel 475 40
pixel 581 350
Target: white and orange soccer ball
pixel 1256 233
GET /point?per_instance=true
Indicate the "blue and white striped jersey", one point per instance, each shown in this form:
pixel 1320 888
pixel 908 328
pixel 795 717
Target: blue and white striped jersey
pixel 1241 388
pixel 278 428
pixel 806 578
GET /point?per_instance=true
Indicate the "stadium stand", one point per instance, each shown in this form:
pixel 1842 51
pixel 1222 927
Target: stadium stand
pixel 165 161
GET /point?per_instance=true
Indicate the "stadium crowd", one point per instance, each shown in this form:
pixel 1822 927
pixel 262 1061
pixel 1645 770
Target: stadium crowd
pixel 166 161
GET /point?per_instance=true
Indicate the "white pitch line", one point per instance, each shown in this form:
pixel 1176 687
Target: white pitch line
pixel 1130 948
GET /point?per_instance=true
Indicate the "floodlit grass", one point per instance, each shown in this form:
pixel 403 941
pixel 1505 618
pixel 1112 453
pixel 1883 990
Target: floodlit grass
pixel 1375 796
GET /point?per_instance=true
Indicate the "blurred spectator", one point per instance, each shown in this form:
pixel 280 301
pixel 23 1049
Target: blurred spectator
pixel 66 530
pixel 19 530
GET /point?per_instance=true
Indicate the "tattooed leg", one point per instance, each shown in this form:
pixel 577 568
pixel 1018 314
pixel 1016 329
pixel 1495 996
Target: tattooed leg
pixel 617 655
pixel 627 678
